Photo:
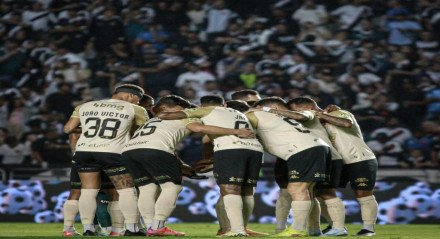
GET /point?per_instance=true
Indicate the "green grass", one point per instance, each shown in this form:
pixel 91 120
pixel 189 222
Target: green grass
pixel 208 230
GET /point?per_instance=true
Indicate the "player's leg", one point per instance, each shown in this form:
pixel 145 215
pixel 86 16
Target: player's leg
pixel 306 168
pixel 89 173
pixel 222 217
pixel 166 170
pixel 229 170
pixel 362 180
pixel 117 172
pixel 254 161
pixel 110 216
pixel 102 217
pixel 282 206
pixel 326 192
pixel 90 184
pixel 70 207
pixel 336 211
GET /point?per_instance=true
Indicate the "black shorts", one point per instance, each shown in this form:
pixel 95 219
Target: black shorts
pixel 237 166
pixel 153 166
pixel 75 181
pixel 334 179
pixel 310 165
pixel 281 173
pixel 361 175
pixel 110 163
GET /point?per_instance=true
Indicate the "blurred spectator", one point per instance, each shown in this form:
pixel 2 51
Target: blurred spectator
pixel 402 31
pixel 310 12
pixel 389 153
pixel 394 131
pixel 350 14
pixel 51 151
pixel 12 152
pixel 194 78
pixel 62 100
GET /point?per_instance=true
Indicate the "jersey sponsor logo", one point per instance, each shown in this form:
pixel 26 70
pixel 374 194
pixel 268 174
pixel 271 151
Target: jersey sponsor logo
pixel 361 180
pixel 362 185
pixel 109 105
pixel 294 174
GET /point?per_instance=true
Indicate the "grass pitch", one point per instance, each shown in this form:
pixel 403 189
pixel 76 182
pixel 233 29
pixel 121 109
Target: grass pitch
pixel 208 230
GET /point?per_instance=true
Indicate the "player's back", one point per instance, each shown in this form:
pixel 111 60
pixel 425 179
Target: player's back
pixel 227 118
pixel 106 124
pixel 159 134
pixel 349 141
pixel 315 126
pixel 282 136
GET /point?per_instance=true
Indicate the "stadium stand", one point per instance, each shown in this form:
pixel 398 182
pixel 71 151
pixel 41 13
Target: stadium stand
pixel 381 61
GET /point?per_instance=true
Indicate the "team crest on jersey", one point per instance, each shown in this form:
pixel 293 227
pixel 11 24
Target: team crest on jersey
pixel 294 174
pixel 361 180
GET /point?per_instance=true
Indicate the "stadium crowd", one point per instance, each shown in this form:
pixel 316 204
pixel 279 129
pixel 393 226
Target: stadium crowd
pixel 380 61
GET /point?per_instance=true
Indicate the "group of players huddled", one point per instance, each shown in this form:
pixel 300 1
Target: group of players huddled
pixel 122 151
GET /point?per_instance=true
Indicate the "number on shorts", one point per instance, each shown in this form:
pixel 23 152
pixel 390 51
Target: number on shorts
pixel 295 124
pixel 241 125
pixel 106 129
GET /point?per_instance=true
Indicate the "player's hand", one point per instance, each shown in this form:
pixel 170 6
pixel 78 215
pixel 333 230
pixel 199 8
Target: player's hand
pixel 204 166
pixel 331 108
pixel 245 133
pixel 187 170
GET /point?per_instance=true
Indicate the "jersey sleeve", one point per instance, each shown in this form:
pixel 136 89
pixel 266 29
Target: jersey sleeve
pixel 252 119
pixel 188 121
pixel 341 114
pixel 140 115
pixel 198 112
pixel 75 113
pixel 309 114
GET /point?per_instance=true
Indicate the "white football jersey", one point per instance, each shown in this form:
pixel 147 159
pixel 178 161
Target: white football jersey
pixel 226 118
pixel 315 126
pixel 349 141
pixel 281 136
pixel 160 134
pixel 106 124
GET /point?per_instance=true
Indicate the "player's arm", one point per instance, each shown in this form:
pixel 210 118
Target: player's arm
pixel 214 130
pixel 252 119
pixel 296 115
pixel 73 122
pixel 140 117
pixel 338 118
pixel 187 113
pixel 206 164
pixel 174 115
pixel 73 138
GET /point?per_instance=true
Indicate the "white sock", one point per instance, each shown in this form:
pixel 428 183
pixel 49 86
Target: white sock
pixel 301 212
pixel 324 212
pixel 314 218
pixel 282 209
pixel 336 211
pixel 234 210
pixel 146 202
pixel 70 210
pixel 165 203
pixel 222 217
pixel 248 208
pixel 116 216
pixel 87 208
pixel 128 205
pixel 368 211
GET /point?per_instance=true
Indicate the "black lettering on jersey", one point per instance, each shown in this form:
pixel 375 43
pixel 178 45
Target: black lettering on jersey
pixel 146 129
pixel 105 129
pixel 109 105
pixel 241 124
pixel 296 125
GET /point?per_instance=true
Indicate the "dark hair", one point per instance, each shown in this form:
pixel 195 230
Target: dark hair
pixel 212 100
pixel 239 105
pixel 130 88
pixel 271 100
pixel 146 98
pixel 172 100
pixel 301 101
pixel 242 94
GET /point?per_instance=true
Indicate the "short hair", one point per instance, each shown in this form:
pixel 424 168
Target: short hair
pixel 301 101
pixel 274 100
pixel 172 100
pixel 239 105
pixel 241 94
pixel 130 88
pixel 212 100
pixel 146 98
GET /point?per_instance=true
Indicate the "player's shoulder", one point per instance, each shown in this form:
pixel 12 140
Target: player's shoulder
pixel 341 113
